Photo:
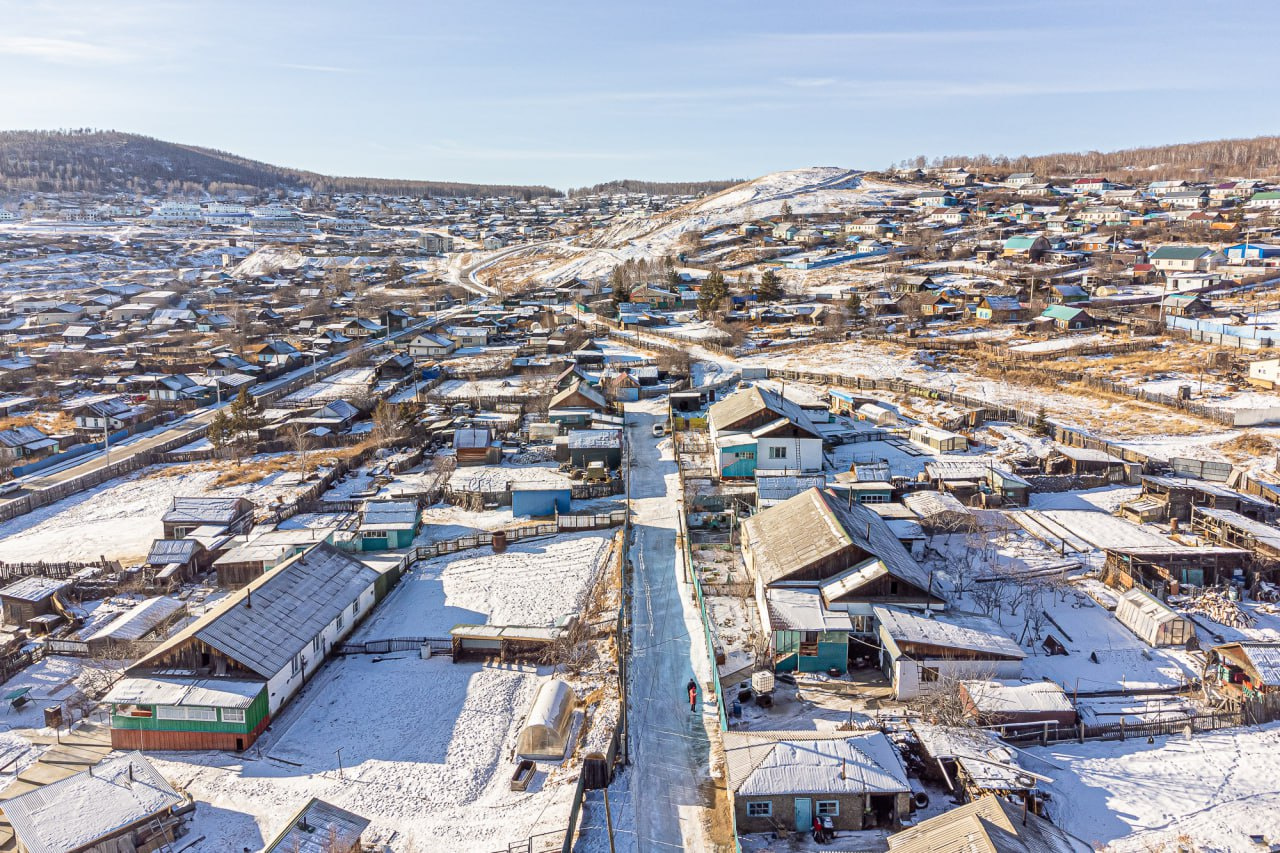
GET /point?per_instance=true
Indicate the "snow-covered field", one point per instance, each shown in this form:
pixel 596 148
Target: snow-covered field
pixel 1211 792
pixel 119 519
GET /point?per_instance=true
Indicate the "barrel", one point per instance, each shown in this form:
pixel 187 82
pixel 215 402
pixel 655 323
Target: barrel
pixel 499 541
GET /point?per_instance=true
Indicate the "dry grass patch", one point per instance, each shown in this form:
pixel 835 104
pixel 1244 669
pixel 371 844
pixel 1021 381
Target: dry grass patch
pixel 1247 445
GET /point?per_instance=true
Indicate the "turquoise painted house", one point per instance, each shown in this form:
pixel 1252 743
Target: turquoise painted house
pixel 388 525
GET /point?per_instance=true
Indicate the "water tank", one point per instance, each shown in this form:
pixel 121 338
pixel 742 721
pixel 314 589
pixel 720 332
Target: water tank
pixel 762 681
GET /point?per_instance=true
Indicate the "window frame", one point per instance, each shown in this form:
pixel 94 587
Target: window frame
pixel 832 810
pixel 229 715
pixel 929 674
pixel 778 451
pixel 752 808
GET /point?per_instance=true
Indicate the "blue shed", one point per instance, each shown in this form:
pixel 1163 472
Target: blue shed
pixel 540 502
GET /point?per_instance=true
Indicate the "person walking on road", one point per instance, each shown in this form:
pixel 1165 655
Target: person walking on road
pixel 693 695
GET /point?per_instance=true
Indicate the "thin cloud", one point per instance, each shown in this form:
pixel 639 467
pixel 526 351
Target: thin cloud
pixel 63 51
pixel 319 69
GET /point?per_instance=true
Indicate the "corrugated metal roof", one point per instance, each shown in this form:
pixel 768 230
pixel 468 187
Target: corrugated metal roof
pixel 73 813
pixel 316 827
pixel 265 624
pixel 166 551
pixel 136 622
pixel 206 510
pixel 33 588
pixel 779 763
pixel 203 692
pixel 951 630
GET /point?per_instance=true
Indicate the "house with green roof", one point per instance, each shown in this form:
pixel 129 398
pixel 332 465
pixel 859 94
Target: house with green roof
pixel 1185 259
pixel 1271 198
pixel 1068 317
pixel 1031 246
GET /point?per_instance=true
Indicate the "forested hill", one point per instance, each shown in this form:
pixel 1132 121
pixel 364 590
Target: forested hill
pixel 1258 157
pixel 629 185
pixel 108 161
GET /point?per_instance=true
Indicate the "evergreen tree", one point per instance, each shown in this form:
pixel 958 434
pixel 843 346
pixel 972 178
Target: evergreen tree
pixel 770 288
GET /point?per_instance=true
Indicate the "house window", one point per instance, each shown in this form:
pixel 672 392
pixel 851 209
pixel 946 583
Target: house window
pixel 760 808
pixel 873 499
pixel 340 621
pixel 315 643
pixel 355 608
pixel 777 453
pixel 233 715
pixel 928 674
pixel 828 808
pixel 180 712
pixel 296 663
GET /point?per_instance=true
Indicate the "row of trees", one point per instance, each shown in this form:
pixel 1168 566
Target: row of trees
pixel 1244 158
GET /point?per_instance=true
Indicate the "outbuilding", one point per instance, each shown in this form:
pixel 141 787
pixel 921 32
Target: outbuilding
pixel 1153 621
pixel 545 735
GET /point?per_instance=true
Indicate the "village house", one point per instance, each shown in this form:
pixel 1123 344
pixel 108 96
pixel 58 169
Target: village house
pixel 786 779
pixel 187 514
pixel 756 428
pixel 121 804
pixel 245 657
pixel 1172 258
pixel 1030 246
pixel 388 525
pixel 813 589
pixel 923 651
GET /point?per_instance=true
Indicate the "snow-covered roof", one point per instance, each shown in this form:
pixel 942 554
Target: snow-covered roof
pixel 996 697
pixel 33 588
pixel 762 764
pixel 75 812
pixel 986 760
pixel 202 692
pixel 953 630
pixel 802 609
pixel 134 623
pixel 318 828
pixel 814 525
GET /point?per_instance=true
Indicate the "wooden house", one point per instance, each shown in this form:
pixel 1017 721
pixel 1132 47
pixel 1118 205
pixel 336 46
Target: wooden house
pixel 786 779
pixel 185 514
pixel 921 652
pixel 218 682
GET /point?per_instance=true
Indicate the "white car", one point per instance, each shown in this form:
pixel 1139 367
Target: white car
pixel 659 429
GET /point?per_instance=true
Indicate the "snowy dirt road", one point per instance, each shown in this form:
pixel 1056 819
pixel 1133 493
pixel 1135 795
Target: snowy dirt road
pixel 670 749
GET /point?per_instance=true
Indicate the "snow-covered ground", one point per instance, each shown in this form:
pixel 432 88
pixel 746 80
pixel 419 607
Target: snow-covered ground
pixel 120 518
pixel 536 582
pixel 426 754
pixel 1211 792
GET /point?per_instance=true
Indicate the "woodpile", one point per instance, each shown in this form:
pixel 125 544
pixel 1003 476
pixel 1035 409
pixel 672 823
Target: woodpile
pixel 1215 605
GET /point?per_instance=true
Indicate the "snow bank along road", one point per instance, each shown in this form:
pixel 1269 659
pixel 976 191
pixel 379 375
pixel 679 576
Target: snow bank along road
pixel 669 745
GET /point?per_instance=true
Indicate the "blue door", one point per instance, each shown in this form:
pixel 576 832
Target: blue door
pixel 804 814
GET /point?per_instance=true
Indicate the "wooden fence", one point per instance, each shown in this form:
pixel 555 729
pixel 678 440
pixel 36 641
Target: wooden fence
pixel 48 570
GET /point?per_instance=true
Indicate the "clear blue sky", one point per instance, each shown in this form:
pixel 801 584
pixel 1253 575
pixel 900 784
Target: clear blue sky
pixel 570 93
